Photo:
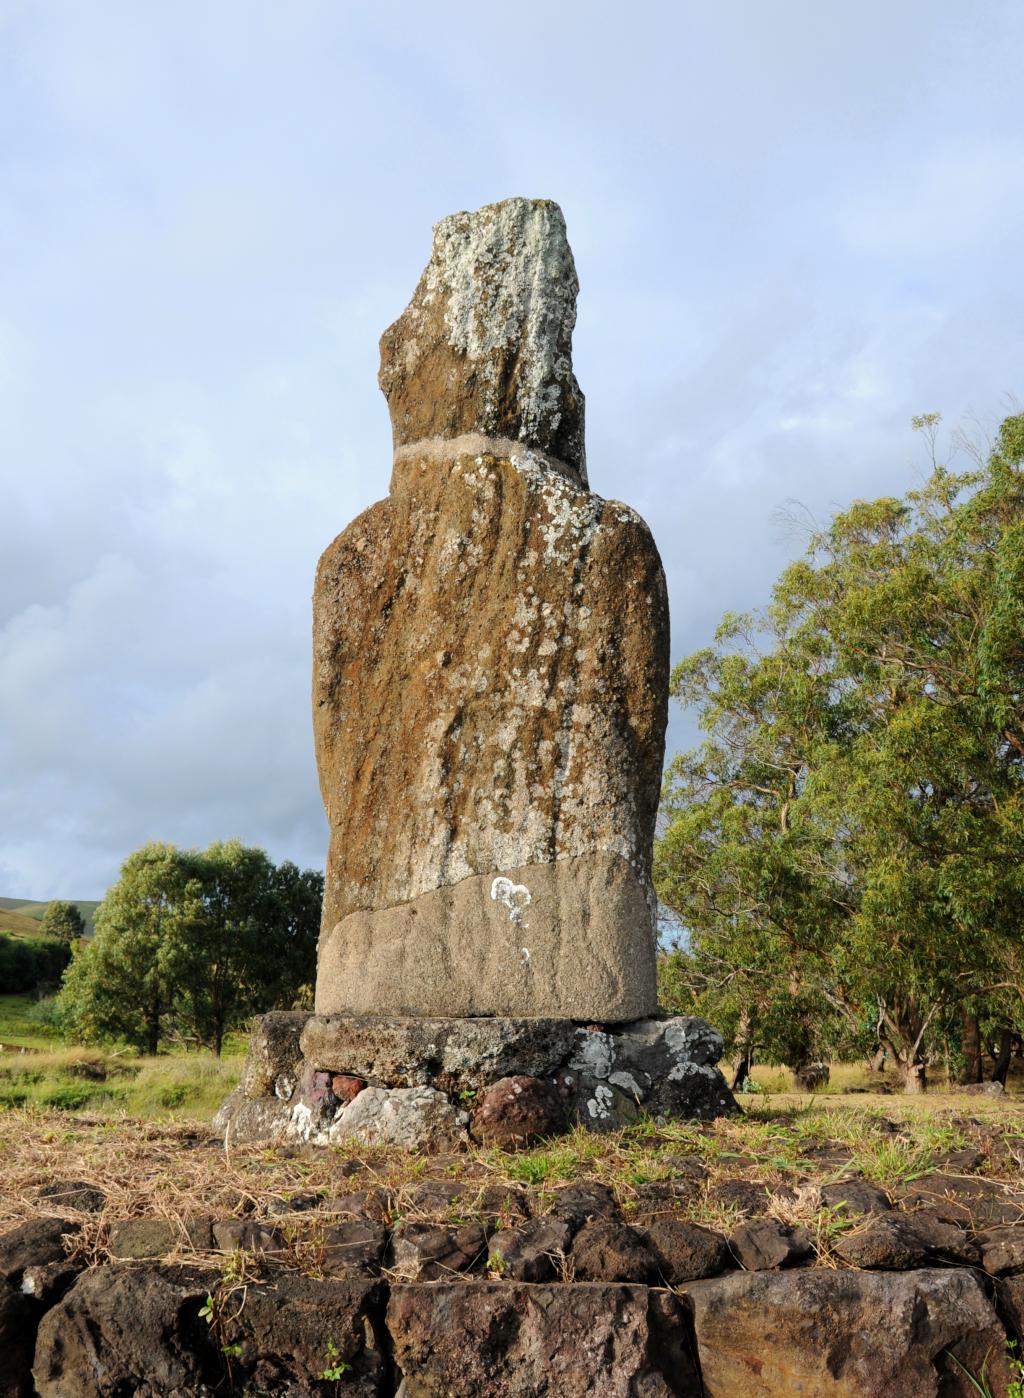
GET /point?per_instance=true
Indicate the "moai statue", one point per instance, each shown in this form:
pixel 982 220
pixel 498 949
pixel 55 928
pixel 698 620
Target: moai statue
pixel 490 668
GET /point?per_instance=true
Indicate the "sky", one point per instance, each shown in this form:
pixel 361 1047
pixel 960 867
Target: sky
pixel 796 225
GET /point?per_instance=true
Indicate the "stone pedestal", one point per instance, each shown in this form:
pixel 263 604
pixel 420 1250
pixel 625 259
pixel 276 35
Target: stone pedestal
pixel 440 1083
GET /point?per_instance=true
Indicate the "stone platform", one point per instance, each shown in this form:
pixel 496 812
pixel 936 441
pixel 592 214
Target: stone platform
pixel 439 1083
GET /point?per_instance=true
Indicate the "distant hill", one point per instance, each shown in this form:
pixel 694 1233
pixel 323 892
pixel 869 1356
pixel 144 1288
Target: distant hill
pixel 21 916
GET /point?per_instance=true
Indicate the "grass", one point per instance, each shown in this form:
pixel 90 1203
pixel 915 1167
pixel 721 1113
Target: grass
pixel 100 1083
pixel 37 1070
pixel 97 1132
pixel 24 1023
pixel 20 924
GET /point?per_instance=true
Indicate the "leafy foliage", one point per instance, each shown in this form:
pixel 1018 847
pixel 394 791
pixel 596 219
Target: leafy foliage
pixel 28 963
pixel 190 943
pixel 63 921
pixel 845 851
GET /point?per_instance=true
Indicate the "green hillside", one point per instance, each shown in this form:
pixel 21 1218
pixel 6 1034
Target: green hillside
pixel 22 916
pixel 19 924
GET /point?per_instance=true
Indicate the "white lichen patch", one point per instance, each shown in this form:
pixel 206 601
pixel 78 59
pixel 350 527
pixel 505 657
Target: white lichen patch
pixel 509 280
pixel 599 1106
pixel 498 298
pixel 514 896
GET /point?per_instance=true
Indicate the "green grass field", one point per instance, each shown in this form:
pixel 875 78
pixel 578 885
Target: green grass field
pixel 24 1023
pixel 38 1070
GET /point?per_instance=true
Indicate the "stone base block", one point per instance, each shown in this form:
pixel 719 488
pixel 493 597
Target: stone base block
pixel 571 939
pixel 437 1083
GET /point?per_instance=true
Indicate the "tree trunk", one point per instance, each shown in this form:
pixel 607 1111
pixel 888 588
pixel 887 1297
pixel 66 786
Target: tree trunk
pixel 744 1059
pixel 1002 1063
pixel 153 1029
pixel 972 1069
pixel 914 1077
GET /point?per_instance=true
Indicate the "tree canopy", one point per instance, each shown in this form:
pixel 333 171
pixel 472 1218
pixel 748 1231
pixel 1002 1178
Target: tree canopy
pixel 189 943
pixel 845 850
pixel 63 921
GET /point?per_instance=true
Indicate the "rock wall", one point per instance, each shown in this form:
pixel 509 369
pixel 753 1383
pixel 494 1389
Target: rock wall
pixel 423 1282
pixel 175 1330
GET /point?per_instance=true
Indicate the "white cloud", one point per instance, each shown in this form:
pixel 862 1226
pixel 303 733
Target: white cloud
pixel 795 227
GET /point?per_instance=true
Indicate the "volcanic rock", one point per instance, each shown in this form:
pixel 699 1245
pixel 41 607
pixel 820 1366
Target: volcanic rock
pixel 517 1112
pixel 428 1251
pixel 490 669
pixel 854 1334
pixel 607 1251
pixel 596 1340
pixel 762 1244
pixel 686 1252
pixel 534 1252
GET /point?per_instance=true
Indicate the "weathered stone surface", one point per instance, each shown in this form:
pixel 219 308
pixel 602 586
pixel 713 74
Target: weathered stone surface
pixel 517 1112
pixel 945 1241
pixel 36 1243
pixel 353 1249
pixel 490 669
pixel 346 1088
pixel 17 1343
pixel 375 1204
pixel 451 1054
pixel 516 1341
pixel 662 1199
pixel 971 1202
pixel 247 1234
pixel 603 1078
pixel 847 1334
pixel 274 1060
pixel 283 1332
pixel 763 1244
pixel 240 1118
pixel 128 1330
pixel 608 1251
pixel 577 1204
pixel 853 1197
pixel 1002 1251
pixel 138 1330
pixel 429 1251
pixel 411 1117
pixel 46 1282
pixel 961 1161
pixel 534 1252
pixel 1010 1300
pixel 302 1201
pixel 685 1251
pixel 984 1089
pixel 810 1077
pixel 584 948
pixel 746 1197
pixel 667 1065
pixel 889 1241
pixel 485 345
pixel 139 1239
pixel 463 1201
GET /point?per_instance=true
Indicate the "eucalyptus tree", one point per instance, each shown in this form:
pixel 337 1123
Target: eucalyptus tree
pixel 846 847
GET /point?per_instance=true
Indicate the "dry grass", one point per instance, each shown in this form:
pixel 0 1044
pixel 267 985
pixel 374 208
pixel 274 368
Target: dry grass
pixel 174 1171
